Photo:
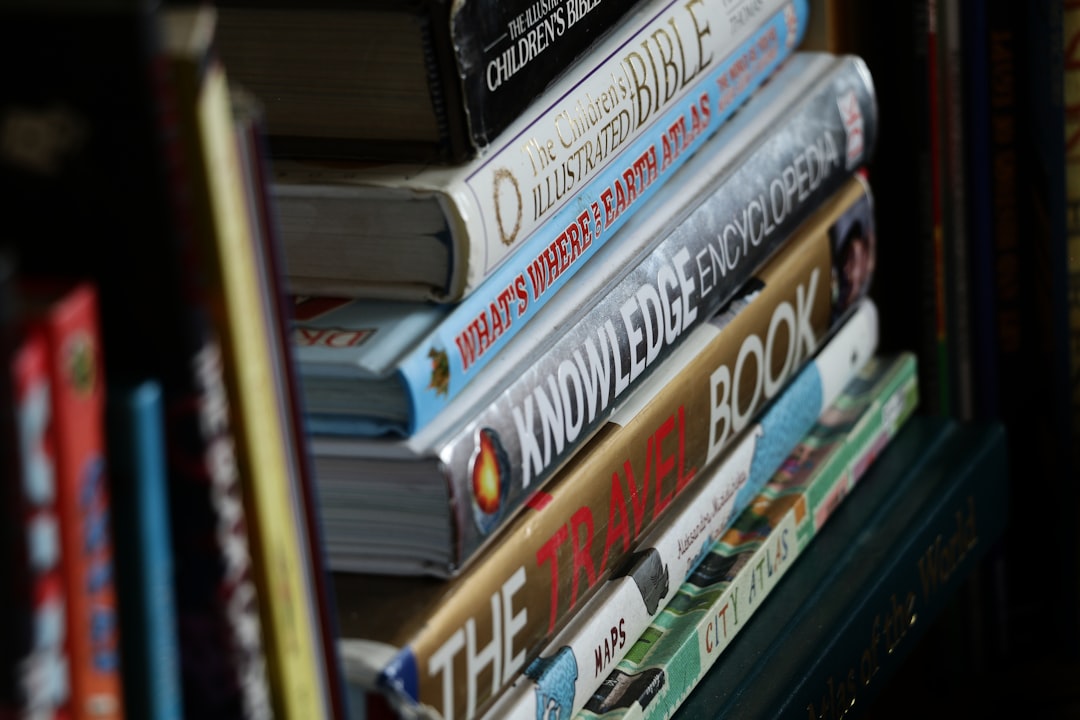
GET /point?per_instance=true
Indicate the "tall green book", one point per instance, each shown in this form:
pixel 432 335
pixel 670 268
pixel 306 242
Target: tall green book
pixel 743 567
pixel 841 622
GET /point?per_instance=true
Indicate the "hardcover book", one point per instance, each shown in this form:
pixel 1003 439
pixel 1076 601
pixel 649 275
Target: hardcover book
pixel 243 310
pixel 577 528
pixel 138 483
pixel 742 569
pixel 381 367
pixel 432 81
pixel 557 182
pixel 87 80
pixel 66 314
pixel 266 260
pixel 436 483
pixel 839 624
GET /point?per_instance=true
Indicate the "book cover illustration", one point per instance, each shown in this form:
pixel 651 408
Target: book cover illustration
pixel 744 565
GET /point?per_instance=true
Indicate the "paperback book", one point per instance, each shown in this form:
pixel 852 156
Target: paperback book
pixel 572 167
pixel 579 527
pixel 592 337
pixel 743 566
pixel 424 81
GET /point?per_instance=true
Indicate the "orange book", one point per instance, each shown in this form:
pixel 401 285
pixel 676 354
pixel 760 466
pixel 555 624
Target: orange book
pixel 67 316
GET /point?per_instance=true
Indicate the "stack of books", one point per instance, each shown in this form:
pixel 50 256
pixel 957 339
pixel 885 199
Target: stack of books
pixel 474 360
pixel 621 343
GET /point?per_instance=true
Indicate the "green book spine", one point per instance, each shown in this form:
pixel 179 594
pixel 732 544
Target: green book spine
pixel 745 564
pixel 840 624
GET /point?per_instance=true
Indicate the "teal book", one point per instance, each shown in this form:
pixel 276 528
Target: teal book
pixel 144 557
pixel 745 564
pixel 841 622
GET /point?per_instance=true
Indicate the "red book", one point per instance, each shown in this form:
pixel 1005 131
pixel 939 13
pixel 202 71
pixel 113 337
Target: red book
pixel 67 316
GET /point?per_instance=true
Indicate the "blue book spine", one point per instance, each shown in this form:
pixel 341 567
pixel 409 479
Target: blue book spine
pixel 149 633
pixel 488 318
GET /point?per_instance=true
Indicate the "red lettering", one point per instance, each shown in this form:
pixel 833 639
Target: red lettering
pixel 685 474
pixel 664 465
pixel 496 321
pixel 521 294
pixel 538 276
pixel 551 258
pixel 639 504
pixel 609 207
pixel 585 238
pixel 466 349
pixel 549 552
pixel 344 338
pixel 582 550
pixel 616 528
pixel 628 177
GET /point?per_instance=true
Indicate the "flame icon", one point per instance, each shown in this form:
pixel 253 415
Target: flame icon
pixel 490 479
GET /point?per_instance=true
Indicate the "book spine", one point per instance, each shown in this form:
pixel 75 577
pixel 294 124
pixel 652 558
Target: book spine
pixel 712 258
pixel 551 557
pixel 1071 39
pixel 744 566
pixel 936 258
pixel 640 103
pixel 955 189
pixel 150 646
pixel 1046 239
pixel 883 610
pixel 104 65
pixel 508 53
pixel 40 683
pixel 981 148
pixel 553 244
pixel 68 318
pixel 207 135
pixel 873 581
pixel 252 143
pixel 604 631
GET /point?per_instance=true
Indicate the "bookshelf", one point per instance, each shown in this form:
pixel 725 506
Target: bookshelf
pixel 1012 85
pixel 996 631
